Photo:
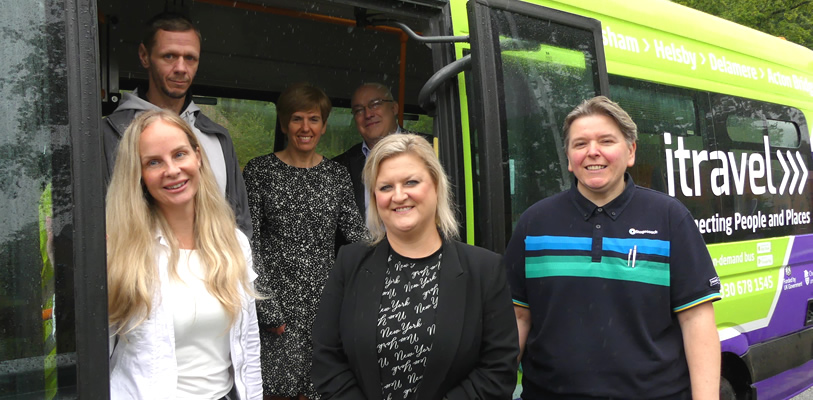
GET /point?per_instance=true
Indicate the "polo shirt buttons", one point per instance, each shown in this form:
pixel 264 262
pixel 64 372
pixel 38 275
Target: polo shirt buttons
pixel 600 209
pixel 598 226
pixel 613 213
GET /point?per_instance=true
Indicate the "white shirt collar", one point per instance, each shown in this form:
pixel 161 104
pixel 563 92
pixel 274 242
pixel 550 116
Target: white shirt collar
pixel 366 149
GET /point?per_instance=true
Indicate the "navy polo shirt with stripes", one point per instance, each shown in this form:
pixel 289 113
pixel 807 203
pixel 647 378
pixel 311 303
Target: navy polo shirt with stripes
pixel 604 286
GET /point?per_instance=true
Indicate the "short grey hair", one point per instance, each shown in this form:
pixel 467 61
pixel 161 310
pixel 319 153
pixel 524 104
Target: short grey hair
pixel 601 105
pixel 380 87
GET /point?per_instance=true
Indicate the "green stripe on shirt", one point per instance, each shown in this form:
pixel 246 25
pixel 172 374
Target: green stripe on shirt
pixel 650 272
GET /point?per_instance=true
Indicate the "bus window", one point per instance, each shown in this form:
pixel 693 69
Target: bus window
pixel 535 73
pixel 745 129
pixel 768 165
pixel 656 109
pixel 721 170
pixel 418 123
pixel 341 133
pixel 668 114
pixel 252 126
pixel 44 189
pixel 32 123
pixel 546 63
pixel 783 133
pixel 252 51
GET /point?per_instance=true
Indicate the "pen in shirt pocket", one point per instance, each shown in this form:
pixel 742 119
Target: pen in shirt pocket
pixel 633 253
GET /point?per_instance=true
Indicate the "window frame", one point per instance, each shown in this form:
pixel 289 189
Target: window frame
pixel 89 249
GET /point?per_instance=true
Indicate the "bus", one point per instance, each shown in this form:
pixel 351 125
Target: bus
pixel 722 112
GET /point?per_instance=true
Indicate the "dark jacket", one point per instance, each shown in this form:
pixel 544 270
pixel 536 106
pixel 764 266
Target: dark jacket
pixel 353 159
pixel 475 347
pixel 115 124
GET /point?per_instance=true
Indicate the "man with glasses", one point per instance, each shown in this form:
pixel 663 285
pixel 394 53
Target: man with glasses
pixel 376 115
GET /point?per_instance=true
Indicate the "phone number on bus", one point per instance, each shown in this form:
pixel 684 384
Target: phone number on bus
pixel 730 289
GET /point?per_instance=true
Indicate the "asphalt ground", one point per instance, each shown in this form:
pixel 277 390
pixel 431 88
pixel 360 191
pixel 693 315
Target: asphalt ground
pixel 806 395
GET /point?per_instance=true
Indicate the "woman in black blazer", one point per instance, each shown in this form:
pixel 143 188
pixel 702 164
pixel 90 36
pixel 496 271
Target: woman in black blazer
pixel 413 314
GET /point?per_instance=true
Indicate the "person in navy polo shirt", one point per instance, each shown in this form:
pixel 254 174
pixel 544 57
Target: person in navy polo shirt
pixel 612 283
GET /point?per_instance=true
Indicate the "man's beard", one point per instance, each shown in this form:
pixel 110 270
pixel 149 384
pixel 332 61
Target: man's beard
pixel 173 95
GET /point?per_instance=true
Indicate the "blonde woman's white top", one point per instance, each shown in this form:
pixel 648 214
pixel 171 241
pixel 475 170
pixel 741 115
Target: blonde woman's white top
pixel 201 333
pixel 144 363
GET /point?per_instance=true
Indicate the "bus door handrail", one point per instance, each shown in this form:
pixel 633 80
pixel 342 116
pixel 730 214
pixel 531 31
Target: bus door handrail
pixel 438 78
pixel 427 39
pixel 442 75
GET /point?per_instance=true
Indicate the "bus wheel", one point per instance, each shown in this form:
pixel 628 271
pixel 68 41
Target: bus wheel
pixel 727 390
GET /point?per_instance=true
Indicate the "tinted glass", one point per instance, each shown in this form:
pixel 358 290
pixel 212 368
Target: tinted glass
pixel 37 348
pixel 252 126
pixel 737 164
pixel 547 70
pixel 752 129
pixel 769 167
pixel 657 109
pixel 745 129
pixel 783 133
pixel 669 118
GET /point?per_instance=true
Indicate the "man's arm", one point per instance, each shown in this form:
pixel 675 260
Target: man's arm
pixel 702 346
pixel 110 140
pixel 524 326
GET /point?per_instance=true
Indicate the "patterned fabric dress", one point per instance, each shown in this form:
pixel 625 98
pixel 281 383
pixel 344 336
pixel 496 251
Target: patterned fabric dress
pixel 296 213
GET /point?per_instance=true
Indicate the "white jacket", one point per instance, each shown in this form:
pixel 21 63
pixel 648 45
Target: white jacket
pixel 142 362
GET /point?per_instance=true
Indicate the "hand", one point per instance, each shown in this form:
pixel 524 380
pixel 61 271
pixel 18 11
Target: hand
pixel 278 330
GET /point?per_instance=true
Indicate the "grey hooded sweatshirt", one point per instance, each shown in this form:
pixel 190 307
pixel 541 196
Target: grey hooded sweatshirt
pixel 209 133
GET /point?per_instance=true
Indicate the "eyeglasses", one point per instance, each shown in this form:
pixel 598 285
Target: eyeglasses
pixel 372 105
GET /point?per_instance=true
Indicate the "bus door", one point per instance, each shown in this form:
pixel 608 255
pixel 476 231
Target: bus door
pixel 530 66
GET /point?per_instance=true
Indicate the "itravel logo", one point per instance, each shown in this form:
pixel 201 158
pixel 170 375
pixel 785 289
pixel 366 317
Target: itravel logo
pixel 759 174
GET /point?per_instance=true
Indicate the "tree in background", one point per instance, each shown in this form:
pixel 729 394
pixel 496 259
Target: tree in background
pixel 791 19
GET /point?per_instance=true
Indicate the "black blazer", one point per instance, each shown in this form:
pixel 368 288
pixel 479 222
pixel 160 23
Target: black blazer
pixel 353 159
pixel 475 348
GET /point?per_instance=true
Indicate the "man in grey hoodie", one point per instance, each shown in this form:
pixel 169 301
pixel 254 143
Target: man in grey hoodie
pixel 170 51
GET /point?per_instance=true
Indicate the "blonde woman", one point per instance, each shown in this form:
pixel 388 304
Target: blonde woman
pixel 181 302
pixel 414 314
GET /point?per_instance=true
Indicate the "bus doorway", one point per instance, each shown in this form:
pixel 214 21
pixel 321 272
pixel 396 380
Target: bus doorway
pixel 251 50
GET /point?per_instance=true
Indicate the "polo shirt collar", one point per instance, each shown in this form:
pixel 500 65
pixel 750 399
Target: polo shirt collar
pixel 613 209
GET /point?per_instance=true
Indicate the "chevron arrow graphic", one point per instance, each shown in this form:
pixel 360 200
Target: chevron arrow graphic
pixel 804 172
pixel 795 173
pixel 786 174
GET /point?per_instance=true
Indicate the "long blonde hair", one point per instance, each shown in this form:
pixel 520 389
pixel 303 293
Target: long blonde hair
pixel 133 220
pixel 396 145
